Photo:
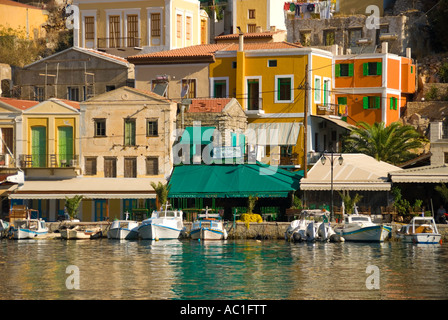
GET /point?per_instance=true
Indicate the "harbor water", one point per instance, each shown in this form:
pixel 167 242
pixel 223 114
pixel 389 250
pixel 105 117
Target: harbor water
pixel 226 270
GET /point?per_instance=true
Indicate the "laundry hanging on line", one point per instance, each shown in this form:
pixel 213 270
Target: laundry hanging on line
pixel 303 10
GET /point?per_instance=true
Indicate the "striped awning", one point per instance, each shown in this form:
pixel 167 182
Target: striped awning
pixel 273 134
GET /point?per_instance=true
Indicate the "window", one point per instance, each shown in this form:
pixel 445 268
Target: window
pixel 152 129
pixel 152 166
pixel 219 88
pixel 233 64
pixel 305 38
pixel 344 70
pixel 39 94
pixel 188 27
pixel 188 88
pixel 326 92
pixel 129 132
pixel 251 13
pixel 342 106
pixel 283 87
pixel 353 36
pixel 272 63
pixel 132 40
pixel 251 28
pixel 7 140
pixel 445 156
pixel 393 103
pixel 373 102
pixel 329 36
pixel 110 88
pixel 317 89
pixel 179 25
pixel 90 166
pixel 155 24
pixel 130 167
pixel 372 68
pixel 89 26
pixel 110 167
pixel 100 127
pixel 73 94
pixel 253 94
pixel 114 31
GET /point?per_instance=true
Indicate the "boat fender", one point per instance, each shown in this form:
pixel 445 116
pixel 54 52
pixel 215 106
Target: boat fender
pixel 297 237
pixel 336 238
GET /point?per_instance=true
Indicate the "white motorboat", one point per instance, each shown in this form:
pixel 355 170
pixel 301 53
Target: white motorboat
pixel 77 233
pixel 312 225
pixel 27 229
pixel 208 226
pixel 123 229
pixel 163 224
pixel 420 230
pixel 358 227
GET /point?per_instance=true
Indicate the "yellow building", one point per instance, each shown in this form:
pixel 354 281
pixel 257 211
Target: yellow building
pixel 23 17
pixel 132 26
pixel 257 15
pixel 269 81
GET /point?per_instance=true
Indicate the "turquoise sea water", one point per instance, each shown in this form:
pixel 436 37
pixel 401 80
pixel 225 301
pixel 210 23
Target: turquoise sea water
pixel 224 270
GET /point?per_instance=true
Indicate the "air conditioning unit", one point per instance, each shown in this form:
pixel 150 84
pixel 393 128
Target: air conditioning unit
pixel 4 160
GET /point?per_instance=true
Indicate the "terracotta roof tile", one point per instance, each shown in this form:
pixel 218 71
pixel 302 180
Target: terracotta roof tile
pixel 263 45
pixel 208 105
pixel 19 104
pixel 252 35
pixel 108 55
pixel 18 4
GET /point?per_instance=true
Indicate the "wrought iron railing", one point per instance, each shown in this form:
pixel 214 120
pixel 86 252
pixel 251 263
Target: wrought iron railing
pixel 122 42
pixel 48 160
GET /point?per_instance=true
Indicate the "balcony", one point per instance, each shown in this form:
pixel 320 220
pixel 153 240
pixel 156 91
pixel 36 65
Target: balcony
pixel 49 165
pixel 122 42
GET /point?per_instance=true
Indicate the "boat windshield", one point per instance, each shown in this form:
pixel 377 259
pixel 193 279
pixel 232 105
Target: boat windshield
pixel 167 214
pixel 363 219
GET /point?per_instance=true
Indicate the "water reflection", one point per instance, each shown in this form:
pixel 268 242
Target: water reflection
pixel 121 269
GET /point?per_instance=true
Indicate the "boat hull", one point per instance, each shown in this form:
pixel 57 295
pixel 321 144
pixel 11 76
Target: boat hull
pixel 122 233
pixel 365 234
pixel 27 234
pixel 429 238
pixel 154 231
pixel 208 234
pixel 72 234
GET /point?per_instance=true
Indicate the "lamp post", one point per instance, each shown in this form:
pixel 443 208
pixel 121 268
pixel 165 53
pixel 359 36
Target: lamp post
pixel 331 156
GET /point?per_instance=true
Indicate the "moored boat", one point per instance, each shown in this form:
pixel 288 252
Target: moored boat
pixel 123 229
pixel 420 230
pixel 77 233
pixel 4 226
pixel 27 229
pixel 312 225
pixel 358 227
pixel 208 226
pixel 163 224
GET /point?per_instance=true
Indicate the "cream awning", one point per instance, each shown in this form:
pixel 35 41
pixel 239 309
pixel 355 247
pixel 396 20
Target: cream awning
pixel 274 134
pixel 425 174
pixel 358 172
pixel 90 188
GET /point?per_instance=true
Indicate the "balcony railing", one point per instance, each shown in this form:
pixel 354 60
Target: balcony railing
pixel 48 160
pixel 123 42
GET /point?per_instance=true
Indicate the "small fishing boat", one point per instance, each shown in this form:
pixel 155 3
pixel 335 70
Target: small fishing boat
pixel 208 226
pixel 123 229
pixel 77 233
pixel 312 225
pixel 4 227
pixel 358 227
pixel 27 229
pixel 163 224
pixel 420 230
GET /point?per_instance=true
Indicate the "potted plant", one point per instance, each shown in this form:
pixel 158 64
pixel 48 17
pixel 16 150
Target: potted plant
pixel 72 205
pixel 349 202
pixel 296 207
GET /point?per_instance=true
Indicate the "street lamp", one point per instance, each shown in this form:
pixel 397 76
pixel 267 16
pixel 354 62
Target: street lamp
pixel 332 156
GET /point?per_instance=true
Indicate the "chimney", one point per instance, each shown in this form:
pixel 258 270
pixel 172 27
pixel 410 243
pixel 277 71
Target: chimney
pixel 385 47
pixel 408 53
pixel 241 42
pixel 258 29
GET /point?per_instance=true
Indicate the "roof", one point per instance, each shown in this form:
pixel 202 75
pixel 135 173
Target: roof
pixel 208 105
pixel 263 46
pixel 89 188
pixel 18 4
pixel 357 172
pixel 251 35
pixel 18 103
pixel 341 123
pixel 231 181
pixel 186 54
pixel 425 174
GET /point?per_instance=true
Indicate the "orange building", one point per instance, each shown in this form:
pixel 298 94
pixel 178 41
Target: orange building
pixel 373 86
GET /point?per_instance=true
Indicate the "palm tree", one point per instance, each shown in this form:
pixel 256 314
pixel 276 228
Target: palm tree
pixel 349 202
pixel 72 204
pixel 394 143
pixel 161 192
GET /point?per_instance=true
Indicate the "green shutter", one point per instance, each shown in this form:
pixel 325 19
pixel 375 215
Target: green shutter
pixel 377 102
pixel 395 103
pixel 39 146
pixel 365 69
pixel 412 69
pixel 379 68
pixel 342 100
pixel 65 145
pixel 129 133
pixel 391 103
pixel 350 69
pixel 242 143
pixel 338 70
pixel 365 102
pixel 233 137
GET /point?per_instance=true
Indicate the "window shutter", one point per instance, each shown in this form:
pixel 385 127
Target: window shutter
pixel 391 103
pixel 377 102
pixel 365 102
pixel 365 69
pixel 379 68
pixel 338 70
pixel 395 103
pixel 350 69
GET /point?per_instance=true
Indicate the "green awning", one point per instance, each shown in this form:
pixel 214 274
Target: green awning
pixel 197 135
pixel 231 181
